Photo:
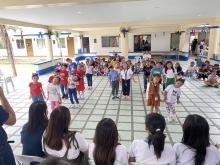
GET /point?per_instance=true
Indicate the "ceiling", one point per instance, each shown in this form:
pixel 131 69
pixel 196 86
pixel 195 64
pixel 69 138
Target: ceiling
pixel 75 14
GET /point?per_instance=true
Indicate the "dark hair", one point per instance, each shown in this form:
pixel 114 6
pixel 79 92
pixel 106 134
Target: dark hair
pixel 37 116
pixel 54 161
pixel 58 128
pixel 155 123
pixel 181 79
pixel 106 141
pixel 169 62
pixel 35 75
pixel 196 136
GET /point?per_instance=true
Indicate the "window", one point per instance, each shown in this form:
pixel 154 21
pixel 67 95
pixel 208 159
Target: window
pixel 20 44
pixel 41 43
pixel 142 43
pixel 174 41
pixel 62 43
pixel 2 43
pixel 110 41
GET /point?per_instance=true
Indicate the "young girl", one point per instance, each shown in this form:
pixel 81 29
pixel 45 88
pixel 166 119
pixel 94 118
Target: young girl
pixel 106 149
pixel 195 148
pixel 171 96
pixel 179 70
pixel 212 80
pixel 152 150
pixel 169 74
pixel 89 73
pixel 126 76
pixel 191 70
pixel 53 91
pixel 79 71
pixel 64 80
pixel 154 94
pixel 36 90
pixel 73 81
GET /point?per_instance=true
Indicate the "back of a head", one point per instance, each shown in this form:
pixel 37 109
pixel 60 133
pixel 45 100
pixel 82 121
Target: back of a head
pixel 155 124
pixel 106 141
pixel 58 127
pixel 196 136
pixel 37 115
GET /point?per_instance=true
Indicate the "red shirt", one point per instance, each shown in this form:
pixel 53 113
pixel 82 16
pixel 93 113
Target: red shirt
pixel 35 88
pixel 64 77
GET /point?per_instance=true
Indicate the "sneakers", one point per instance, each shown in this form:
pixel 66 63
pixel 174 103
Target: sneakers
pixel 114 97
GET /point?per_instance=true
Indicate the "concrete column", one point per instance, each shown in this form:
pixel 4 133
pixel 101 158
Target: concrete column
pixel 49 48
pixel 124 44
pixel 214 41
pixel 182 41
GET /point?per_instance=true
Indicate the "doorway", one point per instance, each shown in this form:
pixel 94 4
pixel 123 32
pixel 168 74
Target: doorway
pixel 85 42
pixel 29 47
pixel 142 43
pixel 70 46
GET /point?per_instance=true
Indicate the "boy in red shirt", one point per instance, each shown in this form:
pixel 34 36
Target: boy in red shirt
pixel 36 90
pixel 64 74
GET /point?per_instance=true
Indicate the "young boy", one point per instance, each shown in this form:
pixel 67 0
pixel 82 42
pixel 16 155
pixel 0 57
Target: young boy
pixel 147 69
pixel 114 77
pixel 64 74
pixel 171 97
pixel 213 80
pixel 36 90
pixel 73 81
pixel 191 70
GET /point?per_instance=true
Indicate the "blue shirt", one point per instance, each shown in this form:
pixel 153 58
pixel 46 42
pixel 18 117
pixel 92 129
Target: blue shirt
pixel 156 71
pixel 72 66
pixel 31 141
pixel 6 154
pixel 113 75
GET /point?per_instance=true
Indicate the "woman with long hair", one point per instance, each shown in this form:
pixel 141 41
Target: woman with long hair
pixel 59 141
pixel 106 150
pixel 152 150
pixel 33 130
pixel 195 148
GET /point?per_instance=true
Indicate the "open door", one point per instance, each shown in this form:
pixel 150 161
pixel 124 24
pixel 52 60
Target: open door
pixel 70 46
pixel 29 47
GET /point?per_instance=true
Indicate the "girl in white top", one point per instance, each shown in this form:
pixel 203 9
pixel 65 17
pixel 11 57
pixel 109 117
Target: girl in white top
pixel 195 148
pixel 169 73
pixel 152 150
pixel 58 141
pixel 106 150
pixel 89 73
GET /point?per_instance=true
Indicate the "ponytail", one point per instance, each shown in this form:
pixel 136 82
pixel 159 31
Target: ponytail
pixel 157 140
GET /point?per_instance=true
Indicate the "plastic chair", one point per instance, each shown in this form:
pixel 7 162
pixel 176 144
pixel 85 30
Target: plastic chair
pixel 27 160
pixel 5 80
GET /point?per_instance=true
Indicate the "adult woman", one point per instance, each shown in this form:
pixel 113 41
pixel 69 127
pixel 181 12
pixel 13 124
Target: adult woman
pixel 33 130
pixel 7 116
pixel 106 150
pixel 59 141
pixel 195 148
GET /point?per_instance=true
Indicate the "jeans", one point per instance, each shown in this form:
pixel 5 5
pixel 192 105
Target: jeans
pixel 63 89
pixel 89 79
pixel 37 98
pixel 146 79
pixel 126 87
pixel 115 87
pixel 73 94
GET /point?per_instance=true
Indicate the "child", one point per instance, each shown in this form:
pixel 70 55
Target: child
pixel 154 94
pixel 191 70
pixel 179 70
pixel 79 71
pixel 153 150
pixel 169 74
pixel 36 90
pixel 55 74
pixel 106 149
pixel 203 72
pixel 114 77
pixel 212 80
pixel 64 80
pixel 89 73
pixel 195 147
pixel 126 76
pixel 53 91
pixel 147 69
pixel 171 96
pixel 73 81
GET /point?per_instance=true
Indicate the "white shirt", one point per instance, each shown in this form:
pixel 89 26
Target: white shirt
pixel 147 56
pixel 89 69
pixel 126 74
pixel 170 73
pixel 191 69
pixel 54 91
pixel 172 94
pixel 72 153
pixel 143 154
pixel 121 155
pixel 185 155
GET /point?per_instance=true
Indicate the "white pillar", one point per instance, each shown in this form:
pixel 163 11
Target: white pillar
pixel 214 43
pixel 49 48
pixel 124 44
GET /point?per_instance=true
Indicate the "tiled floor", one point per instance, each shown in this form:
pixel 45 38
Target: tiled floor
pixel 129 115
